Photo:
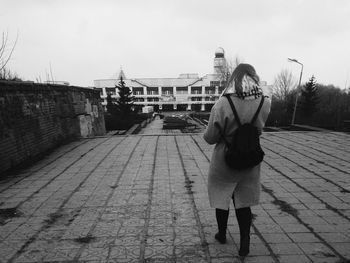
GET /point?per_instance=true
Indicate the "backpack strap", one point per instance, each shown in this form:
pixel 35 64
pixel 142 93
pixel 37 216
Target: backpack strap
pixel 258 110
pixel 233 109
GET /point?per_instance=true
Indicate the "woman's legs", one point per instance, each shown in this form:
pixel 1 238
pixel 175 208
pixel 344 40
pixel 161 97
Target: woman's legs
pixel 221 219
pixel 244 218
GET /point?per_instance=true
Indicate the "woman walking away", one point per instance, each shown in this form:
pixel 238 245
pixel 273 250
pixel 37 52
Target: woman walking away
pixel 226 183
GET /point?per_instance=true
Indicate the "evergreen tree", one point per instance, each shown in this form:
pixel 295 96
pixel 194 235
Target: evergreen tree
pixel 125 101
pixel 111 107
pixel 309 98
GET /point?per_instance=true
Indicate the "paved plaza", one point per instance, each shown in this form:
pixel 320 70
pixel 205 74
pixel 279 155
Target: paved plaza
pixel 143 198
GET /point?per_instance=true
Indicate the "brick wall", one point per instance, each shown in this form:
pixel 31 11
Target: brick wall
pixel 35 118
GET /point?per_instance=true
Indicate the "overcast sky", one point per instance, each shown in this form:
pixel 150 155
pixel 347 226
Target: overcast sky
pixel 85 40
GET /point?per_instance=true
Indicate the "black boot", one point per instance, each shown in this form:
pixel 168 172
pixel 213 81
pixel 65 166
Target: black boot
pixel 221 219
pixel 244 218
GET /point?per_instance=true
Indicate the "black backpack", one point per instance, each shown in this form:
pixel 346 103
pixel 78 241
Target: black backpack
pixel 244 151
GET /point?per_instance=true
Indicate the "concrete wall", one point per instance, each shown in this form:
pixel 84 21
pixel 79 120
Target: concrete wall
pixel 35 118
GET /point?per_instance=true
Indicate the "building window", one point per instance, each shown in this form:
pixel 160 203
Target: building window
pixel 209 90
pixel 152 91
pixel 217 83
pixel 221 89
pixel 137 91
pixel 167 92
pixel 181 90
pixel 214 83
pixel 100 90
pixel 153 99
pixel 111 91
pixel 196 90
pixel 211 98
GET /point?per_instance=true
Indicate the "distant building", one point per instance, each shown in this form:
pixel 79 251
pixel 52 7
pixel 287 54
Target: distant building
pixel 57 82
pixel 186 92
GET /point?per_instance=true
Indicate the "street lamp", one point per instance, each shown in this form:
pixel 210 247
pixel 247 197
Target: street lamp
pixel 296 97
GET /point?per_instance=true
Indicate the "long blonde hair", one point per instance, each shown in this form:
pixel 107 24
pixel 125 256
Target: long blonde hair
pixel 244 83
pixel 237 76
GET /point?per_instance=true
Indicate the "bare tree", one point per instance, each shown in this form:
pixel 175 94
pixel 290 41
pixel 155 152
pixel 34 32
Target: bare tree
pixel 7 74
pixel 228 68
pixel 6 52
pixel 283 85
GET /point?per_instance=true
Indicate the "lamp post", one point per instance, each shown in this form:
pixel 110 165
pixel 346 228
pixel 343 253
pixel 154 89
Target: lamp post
pixel 296 97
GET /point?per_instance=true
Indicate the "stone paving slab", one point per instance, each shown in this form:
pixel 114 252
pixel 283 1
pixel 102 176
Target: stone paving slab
pixel 143 198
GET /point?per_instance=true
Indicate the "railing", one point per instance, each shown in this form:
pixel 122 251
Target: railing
pixel 172 102
pixel 146 95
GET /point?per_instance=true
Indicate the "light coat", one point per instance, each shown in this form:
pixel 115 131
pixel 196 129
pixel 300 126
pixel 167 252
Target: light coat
pixel 223 181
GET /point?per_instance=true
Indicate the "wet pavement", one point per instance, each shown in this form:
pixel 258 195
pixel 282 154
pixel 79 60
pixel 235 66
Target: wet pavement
pixel 143 198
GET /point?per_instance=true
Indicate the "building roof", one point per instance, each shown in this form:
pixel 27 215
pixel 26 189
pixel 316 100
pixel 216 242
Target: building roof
pixel 164 82
pixel 181 81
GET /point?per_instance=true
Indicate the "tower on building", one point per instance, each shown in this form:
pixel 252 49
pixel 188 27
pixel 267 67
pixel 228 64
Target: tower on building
pixel 121 74
pixel 219 61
